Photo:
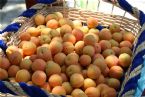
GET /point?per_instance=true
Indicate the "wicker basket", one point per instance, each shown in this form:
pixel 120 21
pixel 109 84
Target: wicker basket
pixel 73 13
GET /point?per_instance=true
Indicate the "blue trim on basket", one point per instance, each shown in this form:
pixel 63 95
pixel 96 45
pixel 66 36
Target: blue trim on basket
pixel 142 18
pixel 4 89
pixel 141 81
pixel 3 45
pixel 141 39
pixel 33 91
pixel 12 28
pixel 45 1
pixel 125 5
pixel 29 13
pixel 137 60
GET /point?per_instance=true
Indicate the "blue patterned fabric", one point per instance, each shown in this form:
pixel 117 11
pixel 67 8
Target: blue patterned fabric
pixel 33 91
pixel 134 81
pixel 4 89
pixel 140 82
pixel 11 28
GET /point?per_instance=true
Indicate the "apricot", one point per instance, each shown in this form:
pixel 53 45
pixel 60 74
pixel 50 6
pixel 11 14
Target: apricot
pixel 26 64
pixel 15 58
pixel 4 63
pixel 59 15
pixel 71 59
pixel 33 57
pixel 124 60
pixel 13 69
pixel 78 34
pixel 109 92
pixel 55 47
pixel 44 39
pixel 65 21
pixel 52 68
pixel 68 47
pixel 93 30
pixel 126 44
pixel 99 62
pixel 93 72
pixel 114 43
pixel 50 17
pixel 92 22
pixel 79 46
pixel 116 50
pixel 11 48
pixel 114 28
pixel 39 19
pixel 108 52
pixel 59 39
pixel 78 93
pixel 46 31
pixel 84 29
pixel 69 37
pixel 76 80
pixel 113 83
pixel 70 70
pixel 117 36
pixel 98 55
pixel 35 40
pixel 67 86
pixel 105 44
pixel 89 50
pixel 39 78
pixel 38 64
pixel 53 24
pixel 92 92
pixel 29 48
pixel 44 53
pixel 65 29
pixel 128 36
pixel 54 33
pixel 3 74
pixel 106 72
pixel 85 60
pixel 88 82
pixel 100 80
pixel 25 36
pixel 33 31
pixel 105 34
pixel 59 58
pixel 111 60
pixel 55 80
pixel 46 87
pixel 91 39
pixel 77 24
pixel 58 90
pixel 23 75
pixel 116 72
pixel 97 48
pixel 126 50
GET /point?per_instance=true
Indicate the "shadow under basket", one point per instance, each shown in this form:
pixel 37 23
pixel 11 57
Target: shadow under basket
pixel 104 19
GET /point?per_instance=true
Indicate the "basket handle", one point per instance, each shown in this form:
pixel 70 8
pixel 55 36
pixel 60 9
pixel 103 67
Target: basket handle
pixel 123 4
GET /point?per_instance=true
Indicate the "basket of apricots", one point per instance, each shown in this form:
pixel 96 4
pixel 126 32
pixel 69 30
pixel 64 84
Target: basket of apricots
pixel 69 52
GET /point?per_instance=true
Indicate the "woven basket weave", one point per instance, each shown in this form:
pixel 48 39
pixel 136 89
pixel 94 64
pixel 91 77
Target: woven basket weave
pixel 72 13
